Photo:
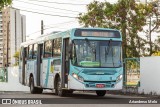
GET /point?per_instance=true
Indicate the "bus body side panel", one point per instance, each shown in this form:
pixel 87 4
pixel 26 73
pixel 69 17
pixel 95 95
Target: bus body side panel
pixel 47 76
pixel 50 69
pixel 44 72
pixel 50 75
pixel 31 70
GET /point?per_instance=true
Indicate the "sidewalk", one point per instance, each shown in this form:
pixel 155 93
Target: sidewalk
pixel 13 81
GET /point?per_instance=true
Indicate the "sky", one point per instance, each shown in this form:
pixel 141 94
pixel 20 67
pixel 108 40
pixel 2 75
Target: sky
pixel 61 14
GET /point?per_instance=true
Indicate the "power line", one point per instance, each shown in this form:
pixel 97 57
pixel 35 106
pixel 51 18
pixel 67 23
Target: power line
pixel 47 14
pixel 48 6
pixel 42 10
pixel 56 2
pixel 51 27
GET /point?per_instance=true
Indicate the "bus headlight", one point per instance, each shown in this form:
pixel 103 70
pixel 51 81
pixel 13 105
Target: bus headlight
pixel 78 77
pixel 75 75
pixel 119 78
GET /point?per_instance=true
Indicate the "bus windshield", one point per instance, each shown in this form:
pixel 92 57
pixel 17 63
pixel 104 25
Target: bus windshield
pixel 93 53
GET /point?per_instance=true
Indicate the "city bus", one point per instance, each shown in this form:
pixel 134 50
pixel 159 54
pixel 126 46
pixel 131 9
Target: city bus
pixel 79 59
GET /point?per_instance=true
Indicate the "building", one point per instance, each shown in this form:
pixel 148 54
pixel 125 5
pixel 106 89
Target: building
pixel 14 33
pixel 1 40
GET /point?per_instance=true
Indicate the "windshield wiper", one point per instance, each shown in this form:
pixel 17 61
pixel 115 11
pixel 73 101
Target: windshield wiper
pixel 89 44
pixel 107 50
pixel 92 48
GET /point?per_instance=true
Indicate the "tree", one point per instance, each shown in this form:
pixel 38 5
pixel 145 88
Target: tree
pixel 16 56
pixel 95 15
pixel 124 15
pixel 154 23
pixel 4 3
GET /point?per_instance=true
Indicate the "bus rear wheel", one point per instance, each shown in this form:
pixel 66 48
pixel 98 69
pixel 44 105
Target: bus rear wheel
pixel 32 87
pixel 101 93
pixel 69 91
pixel 39 90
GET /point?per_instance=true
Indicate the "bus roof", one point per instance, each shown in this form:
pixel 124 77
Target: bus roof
pixel 57 34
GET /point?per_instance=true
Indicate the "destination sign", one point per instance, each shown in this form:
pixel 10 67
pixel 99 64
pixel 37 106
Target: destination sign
pixel 97 33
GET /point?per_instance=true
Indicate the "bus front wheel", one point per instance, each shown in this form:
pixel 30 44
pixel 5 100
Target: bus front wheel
pixel 101 93
pixel 39 90
pixel 59 91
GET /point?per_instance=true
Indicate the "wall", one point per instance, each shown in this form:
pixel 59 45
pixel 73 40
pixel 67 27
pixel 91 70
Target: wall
pixel 150 75
pixel 13 81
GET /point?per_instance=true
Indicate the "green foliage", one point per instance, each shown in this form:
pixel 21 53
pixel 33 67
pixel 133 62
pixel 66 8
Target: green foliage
pixel 4 3
pixel 95 15
pixel 16 56
pixel 124 15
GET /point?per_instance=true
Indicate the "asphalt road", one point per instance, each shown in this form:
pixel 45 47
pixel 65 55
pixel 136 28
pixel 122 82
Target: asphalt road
pixel 77 99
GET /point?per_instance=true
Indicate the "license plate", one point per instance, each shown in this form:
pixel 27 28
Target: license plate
pixel 100 85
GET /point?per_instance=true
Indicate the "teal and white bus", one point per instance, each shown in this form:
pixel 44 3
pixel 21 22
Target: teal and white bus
pixel 83 59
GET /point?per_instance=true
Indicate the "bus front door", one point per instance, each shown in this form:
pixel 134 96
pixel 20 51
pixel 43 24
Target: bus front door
pixel 39 63
pixel 65 63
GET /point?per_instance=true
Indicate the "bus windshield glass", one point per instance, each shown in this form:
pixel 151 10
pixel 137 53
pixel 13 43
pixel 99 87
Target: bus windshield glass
pixel 93 53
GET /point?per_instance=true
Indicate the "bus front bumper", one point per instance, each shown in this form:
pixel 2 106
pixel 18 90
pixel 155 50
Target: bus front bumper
pixel 77 85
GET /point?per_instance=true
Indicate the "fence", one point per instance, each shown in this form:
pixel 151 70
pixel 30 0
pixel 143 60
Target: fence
pixel 10 80
pixel 3 75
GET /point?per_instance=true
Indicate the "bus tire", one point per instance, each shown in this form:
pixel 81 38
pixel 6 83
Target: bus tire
pixel 32 87
pixel 39 90
pixel 59 90
pixel 69 91
pixel 101 93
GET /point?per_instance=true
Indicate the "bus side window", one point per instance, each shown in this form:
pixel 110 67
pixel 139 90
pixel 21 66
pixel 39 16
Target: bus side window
pixel 56 64
pixel 30 52
pixel 35 51
pixel 48 49
pixel 57 43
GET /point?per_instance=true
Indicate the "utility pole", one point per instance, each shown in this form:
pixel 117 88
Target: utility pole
pixel 42 29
